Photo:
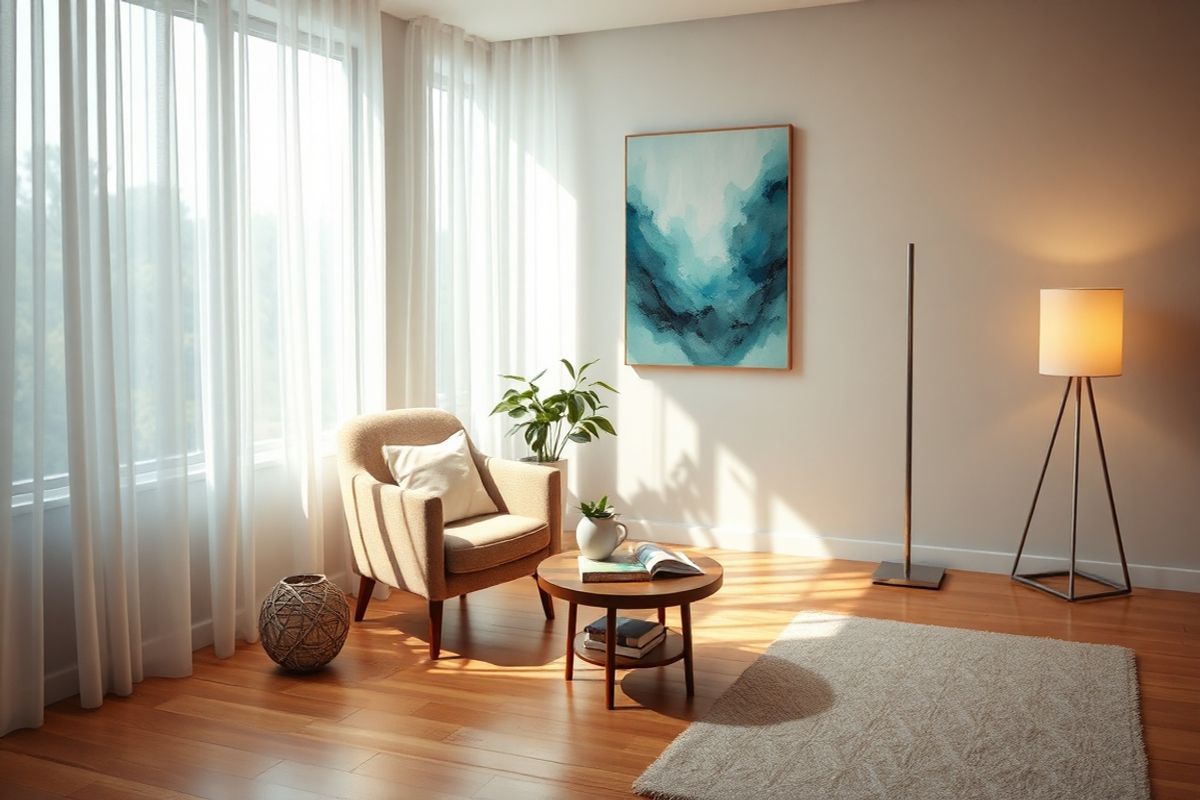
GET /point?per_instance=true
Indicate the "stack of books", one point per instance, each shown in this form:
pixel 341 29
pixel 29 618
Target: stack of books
pixel 635 637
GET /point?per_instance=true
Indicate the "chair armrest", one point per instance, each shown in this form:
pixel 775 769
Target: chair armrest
pixel 530 490
pixel 396 535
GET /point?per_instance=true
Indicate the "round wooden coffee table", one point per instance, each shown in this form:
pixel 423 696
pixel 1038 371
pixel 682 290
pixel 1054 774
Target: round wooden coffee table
pixel 559 576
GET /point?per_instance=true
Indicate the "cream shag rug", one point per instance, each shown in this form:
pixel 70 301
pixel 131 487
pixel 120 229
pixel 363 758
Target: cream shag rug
pixel 846 708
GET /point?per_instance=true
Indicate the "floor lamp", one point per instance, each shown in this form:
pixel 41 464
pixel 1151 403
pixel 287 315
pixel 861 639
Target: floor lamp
pixel 905 573
pixel 1081 338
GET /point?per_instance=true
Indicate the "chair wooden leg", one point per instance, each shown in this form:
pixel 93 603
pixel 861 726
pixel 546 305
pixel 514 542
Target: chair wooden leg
pixel 547 603
pixel 365 587
pixel 435 629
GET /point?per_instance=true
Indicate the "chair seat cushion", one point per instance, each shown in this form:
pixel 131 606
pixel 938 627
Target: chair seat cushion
pixel 490 540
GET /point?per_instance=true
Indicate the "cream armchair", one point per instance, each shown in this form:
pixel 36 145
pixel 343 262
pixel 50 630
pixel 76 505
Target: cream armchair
pixel 398 537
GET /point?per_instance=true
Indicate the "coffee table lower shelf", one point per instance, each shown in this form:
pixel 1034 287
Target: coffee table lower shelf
pixel 670 651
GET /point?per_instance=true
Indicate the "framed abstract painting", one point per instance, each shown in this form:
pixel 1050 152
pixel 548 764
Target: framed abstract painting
pixel 708 248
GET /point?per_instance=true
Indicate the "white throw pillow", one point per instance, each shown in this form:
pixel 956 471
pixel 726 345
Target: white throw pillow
pixel 445 470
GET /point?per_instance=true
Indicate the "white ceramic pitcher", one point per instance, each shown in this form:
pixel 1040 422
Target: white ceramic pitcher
pixel 597 538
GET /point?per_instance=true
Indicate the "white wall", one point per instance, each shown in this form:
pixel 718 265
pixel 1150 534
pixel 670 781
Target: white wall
pixel 1023 144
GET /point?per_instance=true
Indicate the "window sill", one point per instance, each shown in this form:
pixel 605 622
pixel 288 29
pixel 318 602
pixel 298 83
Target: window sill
pixel 266 455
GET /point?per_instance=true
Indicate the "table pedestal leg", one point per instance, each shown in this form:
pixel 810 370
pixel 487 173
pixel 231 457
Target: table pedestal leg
pixel 571 641
pixel 685 615
pixel 610 657
pixel 662 616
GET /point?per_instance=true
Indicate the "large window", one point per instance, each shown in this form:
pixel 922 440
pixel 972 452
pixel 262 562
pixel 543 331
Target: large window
pixel 293 211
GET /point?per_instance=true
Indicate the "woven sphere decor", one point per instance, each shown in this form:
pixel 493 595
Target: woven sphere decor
pixel 303 622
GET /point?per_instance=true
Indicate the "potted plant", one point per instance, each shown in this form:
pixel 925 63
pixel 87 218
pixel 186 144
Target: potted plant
pixel 548 423
pixel 597 534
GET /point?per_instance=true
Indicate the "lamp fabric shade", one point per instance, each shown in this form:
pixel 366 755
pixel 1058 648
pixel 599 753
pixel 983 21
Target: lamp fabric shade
pixel 1082 332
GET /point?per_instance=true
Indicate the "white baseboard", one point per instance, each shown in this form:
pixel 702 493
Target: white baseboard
pixel 797 543
pixel 61 684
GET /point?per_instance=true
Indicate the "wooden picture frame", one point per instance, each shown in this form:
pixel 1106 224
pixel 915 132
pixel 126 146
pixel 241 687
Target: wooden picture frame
pixel 675 212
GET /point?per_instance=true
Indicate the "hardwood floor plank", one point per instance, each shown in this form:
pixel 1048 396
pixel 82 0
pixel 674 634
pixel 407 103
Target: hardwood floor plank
pixel 500 762
pixel 423 775
pixel 327 782
pixel 141 746
pixel 104 761
pixel 220 710
pixel 15 791
pixel 18 770
pixel 108 788
pixel 372 721
pixel 506 787
pixel 264 697
pixel 280 746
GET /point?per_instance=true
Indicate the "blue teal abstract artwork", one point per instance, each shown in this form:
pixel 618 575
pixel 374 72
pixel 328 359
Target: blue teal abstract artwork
pixel 707 239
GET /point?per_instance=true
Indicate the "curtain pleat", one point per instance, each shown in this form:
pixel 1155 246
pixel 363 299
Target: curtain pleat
pixel 486 258
pixel 191 301
pixel 21 643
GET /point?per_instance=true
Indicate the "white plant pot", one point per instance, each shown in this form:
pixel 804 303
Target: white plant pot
pixel 598 538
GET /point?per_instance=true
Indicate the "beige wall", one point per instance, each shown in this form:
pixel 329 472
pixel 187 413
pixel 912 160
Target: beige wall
pixel 1022 144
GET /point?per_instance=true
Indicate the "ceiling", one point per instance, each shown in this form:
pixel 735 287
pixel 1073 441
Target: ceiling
pixel 498 20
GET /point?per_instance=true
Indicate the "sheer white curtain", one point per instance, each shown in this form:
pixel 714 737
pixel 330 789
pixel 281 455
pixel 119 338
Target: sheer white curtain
pixel 488 264
pixel 190 302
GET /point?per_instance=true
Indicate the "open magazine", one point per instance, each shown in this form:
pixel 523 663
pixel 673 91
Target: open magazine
pixel 647 561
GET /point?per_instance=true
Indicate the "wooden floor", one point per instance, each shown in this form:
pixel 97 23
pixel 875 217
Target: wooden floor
pixel 494 719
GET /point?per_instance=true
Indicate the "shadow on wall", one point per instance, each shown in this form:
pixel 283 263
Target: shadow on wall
pixel 1168 338
pixel 729 454
pixel 687 494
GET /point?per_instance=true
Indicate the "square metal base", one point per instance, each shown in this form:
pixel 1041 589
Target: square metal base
pixel 1031 580
pixel 891 573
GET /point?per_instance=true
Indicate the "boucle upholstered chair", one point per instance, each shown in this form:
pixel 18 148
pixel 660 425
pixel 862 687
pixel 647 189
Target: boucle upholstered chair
pixel 398 537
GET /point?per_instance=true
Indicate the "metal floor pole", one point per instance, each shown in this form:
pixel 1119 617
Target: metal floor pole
pixel 906 573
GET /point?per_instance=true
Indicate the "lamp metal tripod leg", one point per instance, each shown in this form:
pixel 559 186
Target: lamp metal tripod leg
pixel 1074 492
pixel 1035 580
pixel 1062 406
pixel 1112 504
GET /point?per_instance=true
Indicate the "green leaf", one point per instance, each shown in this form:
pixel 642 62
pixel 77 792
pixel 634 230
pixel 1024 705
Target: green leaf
pixel 535 377
pixel 570 369
pixel 605 385
pixel 578 409
pixel 580 437
pixel 517 413
pixel 604 424
pixel 516 378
